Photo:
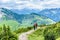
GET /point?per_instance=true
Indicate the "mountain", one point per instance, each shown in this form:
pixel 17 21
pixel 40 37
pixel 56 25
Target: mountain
pixel 53 13
pixel 24 19
pixel 25 11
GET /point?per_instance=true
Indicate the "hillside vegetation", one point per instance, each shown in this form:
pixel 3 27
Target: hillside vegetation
pixel 13 24
pixel 25 19
pixel 48 32
pixel 6 33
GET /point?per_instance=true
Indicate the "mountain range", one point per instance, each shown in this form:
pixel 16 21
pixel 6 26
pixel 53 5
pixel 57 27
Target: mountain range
pixel 53 13
pixel 9 17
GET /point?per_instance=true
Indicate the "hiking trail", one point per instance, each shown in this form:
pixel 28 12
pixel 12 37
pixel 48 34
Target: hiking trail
pixel 24 36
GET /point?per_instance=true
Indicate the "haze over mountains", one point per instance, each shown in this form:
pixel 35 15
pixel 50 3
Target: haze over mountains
pixel 28 17
pixel 52 13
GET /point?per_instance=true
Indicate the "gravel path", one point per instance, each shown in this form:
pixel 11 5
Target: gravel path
pixel 23 36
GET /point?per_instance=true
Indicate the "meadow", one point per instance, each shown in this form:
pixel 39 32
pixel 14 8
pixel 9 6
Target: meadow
pixel 7 34
pixel 47 32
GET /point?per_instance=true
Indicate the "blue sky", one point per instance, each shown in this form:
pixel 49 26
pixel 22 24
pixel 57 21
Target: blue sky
pixel 34 4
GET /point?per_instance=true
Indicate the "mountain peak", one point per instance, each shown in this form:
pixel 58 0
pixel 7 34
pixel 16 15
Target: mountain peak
pixel 25 19
pixel 53 13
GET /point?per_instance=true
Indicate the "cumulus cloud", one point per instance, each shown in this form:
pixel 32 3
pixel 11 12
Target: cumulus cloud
pixel 34 4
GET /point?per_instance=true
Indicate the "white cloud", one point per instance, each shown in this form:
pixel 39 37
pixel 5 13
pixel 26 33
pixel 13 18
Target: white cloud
pixel 36 4
pixel 33 6
pixel 5 1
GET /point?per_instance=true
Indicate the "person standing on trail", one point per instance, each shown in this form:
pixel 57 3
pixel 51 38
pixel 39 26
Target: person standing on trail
pixel 35 26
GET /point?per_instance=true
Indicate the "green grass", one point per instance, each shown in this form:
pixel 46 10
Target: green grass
pixel 36 38
pixel 13 24
pixel 6 32
pixel 58 39
pixel 37 35
pixel 49 30
pixel 21 30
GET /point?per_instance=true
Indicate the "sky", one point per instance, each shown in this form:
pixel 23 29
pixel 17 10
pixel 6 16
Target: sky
pixel 32 4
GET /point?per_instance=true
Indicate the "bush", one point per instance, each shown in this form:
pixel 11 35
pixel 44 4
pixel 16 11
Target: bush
pixel 49 36
pixel 21 30
pixel 6 34
pixel 42 25
pixel 49 33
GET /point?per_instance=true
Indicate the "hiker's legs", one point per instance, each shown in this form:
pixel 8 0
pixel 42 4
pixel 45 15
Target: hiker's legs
pixel 34 27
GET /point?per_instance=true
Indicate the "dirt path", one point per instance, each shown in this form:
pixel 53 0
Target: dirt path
pixel 23 36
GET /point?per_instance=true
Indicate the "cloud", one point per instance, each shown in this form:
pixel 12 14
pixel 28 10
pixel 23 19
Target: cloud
pixel 53 3
pixel 4 1
pixel 34 4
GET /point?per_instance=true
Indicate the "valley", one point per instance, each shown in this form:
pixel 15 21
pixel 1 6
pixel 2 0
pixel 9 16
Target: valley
pixel 13 25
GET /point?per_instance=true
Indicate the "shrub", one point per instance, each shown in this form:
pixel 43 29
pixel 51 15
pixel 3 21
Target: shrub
pixel 6 34
pixel 49 36
pixel 49 33
pixel 42 25
pixel 21 30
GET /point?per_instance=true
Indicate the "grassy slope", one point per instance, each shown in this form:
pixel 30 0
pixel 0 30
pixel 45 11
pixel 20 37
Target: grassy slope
pixel 39 34
pixel 59 36
pixel 13 24
pixel 36 36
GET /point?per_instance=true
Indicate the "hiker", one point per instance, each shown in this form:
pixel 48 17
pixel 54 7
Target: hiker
pixel 35 26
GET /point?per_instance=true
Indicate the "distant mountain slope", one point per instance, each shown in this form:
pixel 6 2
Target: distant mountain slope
pixel 25 19
pixel 25 11
pixel 54 14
